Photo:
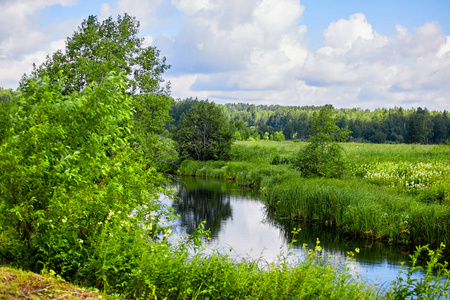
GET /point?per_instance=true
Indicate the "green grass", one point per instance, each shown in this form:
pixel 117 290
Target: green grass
pixel 358 153
pixel 127 265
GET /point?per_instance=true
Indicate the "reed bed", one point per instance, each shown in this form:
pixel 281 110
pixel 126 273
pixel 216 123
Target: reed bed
pixel 361 209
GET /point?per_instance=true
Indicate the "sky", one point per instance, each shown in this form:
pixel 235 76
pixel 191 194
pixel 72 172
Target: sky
pixel 350 53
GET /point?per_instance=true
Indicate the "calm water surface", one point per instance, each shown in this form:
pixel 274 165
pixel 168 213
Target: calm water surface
pixel 242 228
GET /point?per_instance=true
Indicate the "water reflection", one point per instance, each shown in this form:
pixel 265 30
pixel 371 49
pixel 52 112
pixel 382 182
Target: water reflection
pixel 199 201
pixel 241 227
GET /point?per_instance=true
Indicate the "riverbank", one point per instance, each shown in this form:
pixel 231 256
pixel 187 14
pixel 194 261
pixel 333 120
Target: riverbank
pixel 172 275
pixel 392 193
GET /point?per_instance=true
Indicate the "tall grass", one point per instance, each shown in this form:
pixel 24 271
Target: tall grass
pixel 361 209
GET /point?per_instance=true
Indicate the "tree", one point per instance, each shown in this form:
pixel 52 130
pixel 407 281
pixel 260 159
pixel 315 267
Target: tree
pixel 417 127
pixel 278 136
pixel 96 49
pixel 71 185
pixel 323 155
pixel 204 133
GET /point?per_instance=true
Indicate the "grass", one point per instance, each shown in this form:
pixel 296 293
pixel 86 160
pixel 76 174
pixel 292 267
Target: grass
pixel 170 274
pixel 357 153
pixel 361 209
pixel 215 276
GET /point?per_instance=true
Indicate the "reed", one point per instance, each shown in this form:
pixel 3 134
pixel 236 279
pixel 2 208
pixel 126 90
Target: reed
pixel 361 209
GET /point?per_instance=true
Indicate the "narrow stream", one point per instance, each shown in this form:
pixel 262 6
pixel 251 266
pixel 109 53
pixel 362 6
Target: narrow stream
pixel 242 228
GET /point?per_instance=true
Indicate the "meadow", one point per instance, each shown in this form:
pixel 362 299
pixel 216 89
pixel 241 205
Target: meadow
pixel 392 192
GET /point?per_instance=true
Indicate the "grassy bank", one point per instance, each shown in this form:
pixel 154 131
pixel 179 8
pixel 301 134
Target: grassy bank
pixel 395 193
pixel 169 274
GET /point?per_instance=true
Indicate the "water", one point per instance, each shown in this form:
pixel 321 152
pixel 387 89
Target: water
pixel 242 228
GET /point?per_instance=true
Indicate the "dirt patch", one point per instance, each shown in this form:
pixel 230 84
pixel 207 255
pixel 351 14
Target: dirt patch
pixel 16 284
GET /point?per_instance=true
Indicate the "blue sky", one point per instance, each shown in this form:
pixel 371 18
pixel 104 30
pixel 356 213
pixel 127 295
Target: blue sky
pixel 366 54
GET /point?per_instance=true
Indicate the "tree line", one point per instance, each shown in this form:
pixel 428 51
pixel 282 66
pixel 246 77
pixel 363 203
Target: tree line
pixel 394 125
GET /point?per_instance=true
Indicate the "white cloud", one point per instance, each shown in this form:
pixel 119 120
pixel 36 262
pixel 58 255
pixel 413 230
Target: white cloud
pixel 190 7
pixel 22 42
pixel 247 45
pixel 444 50
pixel 146 11
pixel 258 53
pixel 12 69
pixel 343 33
pixel 19 30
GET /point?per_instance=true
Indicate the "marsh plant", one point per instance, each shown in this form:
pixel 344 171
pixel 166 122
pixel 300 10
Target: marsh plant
pixel 429 180
pixel 435 284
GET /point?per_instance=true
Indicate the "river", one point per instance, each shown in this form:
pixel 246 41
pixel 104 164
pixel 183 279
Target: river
pixel 242 228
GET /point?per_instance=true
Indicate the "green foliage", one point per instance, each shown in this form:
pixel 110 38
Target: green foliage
pixel 72 190
pixel 435 284
pixel 6 97
pixel 278 136
pixel 204 133
pixel 98 48
pixel 323 156
pixel 394 125
pixel 417 127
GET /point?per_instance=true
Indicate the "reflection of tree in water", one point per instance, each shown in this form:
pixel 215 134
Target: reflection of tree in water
pixel 197 204
pixel 334 240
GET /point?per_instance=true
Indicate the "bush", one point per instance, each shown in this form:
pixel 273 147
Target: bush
pixel 323 156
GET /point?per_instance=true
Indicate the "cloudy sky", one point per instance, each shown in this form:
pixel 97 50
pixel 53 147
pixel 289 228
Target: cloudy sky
pixel 349 53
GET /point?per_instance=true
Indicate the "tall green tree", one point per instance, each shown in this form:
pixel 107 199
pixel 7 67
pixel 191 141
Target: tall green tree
pixel 98 48
pixel 204 133
pixel 417 127
pixel 323 156
pixel 71 185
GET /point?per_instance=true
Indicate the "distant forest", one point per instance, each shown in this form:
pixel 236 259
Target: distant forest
pixel 394 125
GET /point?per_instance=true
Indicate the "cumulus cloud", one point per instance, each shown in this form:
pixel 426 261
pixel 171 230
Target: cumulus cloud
pixel 257 52
pixel 22 42
pixel 343 34
pixel 245 45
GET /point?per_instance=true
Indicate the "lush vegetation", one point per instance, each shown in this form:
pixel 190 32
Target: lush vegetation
pixel 362 202
pixel 78 201
pixel 98 48
pixel 396 125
